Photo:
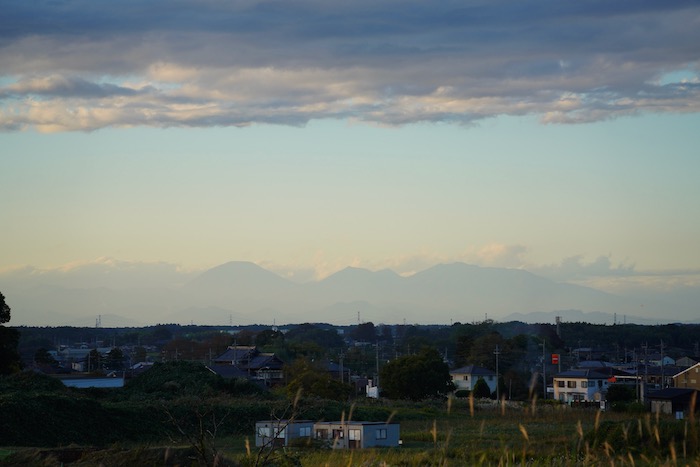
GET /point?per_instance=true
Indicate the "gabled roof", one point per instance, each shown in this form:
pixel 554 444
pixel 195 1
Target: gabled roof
pixel 694 368
pixel 667 370
pixel 227 371
pixel 582 373
pixel 593 373
pixel 238 353
pixel 473 370
pixel 685 362
pixel 265 361
pixel 594 364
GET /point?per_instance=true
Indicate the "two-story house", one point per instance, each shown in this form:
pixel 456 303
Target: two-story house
pixel 688 378
pixel 587 384
pixel 466 377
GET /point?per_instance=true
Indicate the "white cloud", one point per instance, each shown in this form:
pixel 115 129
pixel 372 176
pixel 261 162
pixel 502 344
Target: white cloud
pixel 214 64
pixel 101 272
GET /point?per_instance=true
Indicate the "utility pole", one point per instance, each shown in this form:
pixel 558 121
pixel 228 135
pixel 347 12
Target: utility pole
pixel 497 352
pixel 544 369
pixel 646 373
pixel 662 364
pixel 377 369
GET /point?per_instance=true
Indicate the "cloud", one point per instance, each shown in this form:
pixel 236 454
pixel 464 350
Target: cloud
pixel 84 66
pixel 575 268
pixel 101 272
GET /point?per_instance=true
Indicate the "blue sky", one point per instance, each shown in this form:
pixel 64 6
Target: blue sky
pixel 559 137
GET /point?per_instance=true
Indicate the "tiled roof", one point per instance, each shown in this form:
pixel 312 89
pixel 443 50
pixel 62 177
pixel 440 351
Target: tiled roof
pixel 265 361
pixel 237 354
pixel 228 371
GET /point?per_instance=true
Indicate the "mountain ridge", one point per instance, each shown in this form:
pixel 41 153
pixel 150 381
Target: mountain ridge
pixel 440 294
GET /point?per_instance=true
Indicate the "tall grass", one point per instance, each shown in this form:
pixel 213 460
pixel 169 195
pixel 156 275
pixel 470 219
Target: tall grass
pixel 460 432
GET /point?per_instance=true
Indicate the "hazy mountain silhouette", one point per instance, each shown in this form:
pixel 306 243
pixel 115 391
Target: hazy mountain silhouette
pixel 245 293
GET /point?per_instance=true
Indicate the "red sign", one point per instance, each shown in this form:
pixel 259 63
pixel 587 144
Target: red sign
pixel 555 358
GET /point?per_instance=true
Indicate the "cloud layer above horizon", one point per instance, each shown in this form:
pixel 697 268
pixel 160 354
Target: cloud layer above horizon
pixel 85 65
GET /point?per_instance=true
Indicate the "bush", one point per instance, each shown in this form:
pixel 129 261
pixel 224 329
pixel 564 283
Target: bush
pixel 29 381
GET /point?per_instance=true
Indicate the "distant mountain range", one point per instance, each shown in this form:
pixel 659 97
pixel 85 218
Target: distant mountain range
pixel 244 293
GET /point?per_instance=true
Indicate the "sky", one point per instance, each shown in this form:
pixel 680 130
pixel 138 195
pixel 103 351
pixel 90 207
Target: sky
pixel 557 137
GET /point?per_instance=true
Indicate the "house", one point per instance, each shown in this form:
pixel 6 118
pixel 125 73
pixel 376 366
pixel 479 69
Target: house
pixel 658 377
pixel 357 434
pixel 657 359
pixel 337 371
pixel 466 377
pixel 277 433
pixel 236 355
pixel 265 367
pixel 678 401
pixel 688 378
pixel 588 384
pixel 685 362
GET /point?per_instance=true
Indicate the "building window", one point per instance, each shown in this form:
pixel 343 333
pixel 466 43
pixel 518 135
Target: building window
pixel 305 431
pixel 571 384
pixel 561 383
pixel 281 432
pixel 584 384
pixel 264 432
pixel 354 435
pixel 381 433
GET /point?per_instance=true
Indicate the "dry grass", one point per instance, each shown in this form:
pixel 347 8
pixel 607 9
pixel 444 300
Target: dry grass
pixel 469 433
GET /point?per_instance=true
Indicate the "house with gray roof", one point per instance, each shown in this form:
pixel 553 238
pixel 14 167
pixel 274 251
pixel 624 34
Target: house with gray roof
pixel 261 366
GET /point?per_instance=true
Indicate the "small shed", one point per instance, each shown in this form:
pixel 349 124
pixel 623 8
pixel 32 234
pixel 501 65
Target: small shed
pixel 357 434
pixel 674 401
pixel 277 433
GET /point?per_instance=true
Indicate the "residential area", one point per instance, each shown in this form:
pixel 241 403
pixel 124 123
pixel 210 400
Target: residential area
pixel 485 359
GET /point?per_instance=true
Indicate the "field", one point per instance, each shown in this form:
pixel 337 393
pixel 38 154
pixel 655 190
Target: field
pixel 182 414
pixel 433 434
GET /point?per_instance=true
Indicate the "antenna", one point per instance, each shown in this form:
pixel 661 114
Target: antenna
pixel 98 321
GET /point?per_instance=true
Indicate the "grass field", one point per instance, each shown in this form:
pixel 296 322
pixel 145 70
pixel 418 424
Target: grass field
pixel 552 435
pixel 449 435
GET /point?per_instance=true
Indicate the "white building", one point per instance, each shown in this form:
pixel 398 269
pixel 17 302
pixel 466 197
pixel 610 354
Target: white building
pixel 588 385
pixel 466 377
